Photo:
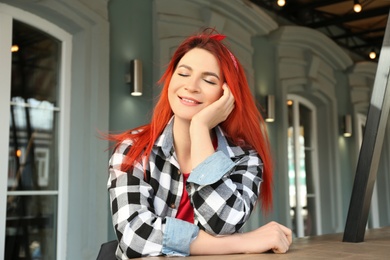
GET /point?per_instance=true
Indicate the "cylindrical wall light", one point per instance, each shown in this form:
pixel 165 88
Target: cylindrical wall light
pixel 270 111
pixel 347 126
pixel 135 77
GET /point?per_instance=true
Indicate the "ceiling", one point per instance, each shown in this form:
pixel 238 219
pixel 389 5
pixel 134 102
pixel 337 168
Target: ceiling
pixel 360 33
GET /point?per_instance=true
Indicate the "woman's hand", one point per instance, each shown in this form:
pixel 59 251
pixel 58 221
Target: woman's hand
pixel 204 121
pixel 217 112
pixel 272 236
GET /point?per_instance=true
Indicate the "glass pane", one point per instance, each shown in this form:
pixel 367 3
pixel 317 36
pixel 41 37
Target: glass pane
pixel 31 227
pixel 301 182
pixel 307 170
pixel 291 168
pixel 35 62
pixel 31 220
pixel 33 112
pixel 33 150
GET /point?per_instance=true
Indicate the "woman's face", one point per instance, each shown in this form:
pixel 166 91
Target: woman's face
pixel 195 83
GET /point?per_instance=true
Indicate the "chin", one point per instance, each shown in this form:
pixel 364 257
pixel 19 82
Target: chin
pixel 185 117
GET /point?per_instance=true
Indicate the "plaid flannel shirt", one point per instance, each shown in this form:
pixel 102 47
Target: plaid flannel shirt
pixel 223 190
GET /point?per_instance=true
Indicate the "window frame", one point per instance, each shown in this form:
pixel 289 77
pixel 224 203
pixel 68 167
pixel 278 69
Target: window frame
pixel 314 149
pixel 7 15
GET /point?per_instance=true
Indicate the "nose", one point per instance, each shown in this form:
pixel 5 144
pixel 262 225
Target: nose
pixel 192 85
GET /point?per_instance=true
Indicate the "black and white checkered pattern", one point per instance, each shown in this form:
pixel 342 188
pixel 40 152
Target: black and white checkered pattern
pixel 223 207
pixel 140 208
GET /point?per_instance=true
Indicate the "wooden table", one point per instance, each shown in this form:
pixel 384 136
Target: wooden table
pixel 375 246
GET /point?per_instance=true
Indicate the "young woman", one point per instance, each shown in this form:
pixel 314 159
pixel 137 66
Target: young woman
pixel 186 183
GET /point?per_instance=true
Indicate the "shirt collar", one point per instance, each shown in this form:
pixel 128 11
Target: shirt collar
pixel 165 141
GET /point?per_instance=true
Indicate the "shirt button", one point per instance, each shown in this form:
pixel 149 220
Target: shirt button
pixel 173 206
pixel 178 172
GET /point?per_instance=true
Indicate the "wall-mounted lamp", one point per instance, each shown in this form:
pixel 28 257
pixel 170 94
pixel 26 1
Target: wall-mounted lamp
pixel 270 111
pixel 135 77
pixel 347 126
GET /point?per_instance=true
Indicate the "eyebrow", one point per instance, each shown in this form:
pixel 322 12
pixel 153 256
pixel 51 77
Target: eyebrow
pixel 207 73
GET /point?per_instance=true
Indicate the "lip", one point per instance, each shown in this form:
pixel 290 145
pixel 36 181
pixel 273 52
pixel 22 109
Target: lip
pixel 189 101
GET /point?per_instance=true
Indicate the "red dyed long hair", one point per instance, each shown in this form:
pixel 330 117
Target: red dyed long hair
pixel 244 126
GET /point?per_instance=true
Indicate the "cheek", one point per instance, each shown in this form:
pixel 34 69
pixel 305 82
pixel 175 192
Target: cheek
pixel 212 98
pixel 172 87
pixel 171 93
pixel 218 95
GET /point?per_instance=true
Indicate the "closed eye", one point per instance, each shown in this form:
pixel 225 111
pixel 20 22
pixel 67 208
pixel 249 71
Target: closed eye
pixel 210 82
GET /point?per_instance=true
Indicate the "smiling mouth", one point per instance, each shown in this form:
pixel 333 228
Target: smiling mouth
pixel 192 101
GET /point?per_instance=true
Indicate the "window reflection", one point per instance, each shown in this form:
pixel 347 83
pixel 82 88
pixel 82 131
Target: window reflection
pixel 32 153
pixel 30 231
pixel 41 113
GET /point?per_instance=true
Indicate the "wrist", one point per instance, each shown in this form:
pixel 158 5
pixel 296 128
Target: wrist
pixel 197 128
pixel 206 244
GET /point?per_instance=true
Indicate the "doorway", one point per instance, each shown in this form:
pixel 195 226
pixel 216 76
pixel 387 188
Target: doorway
pixel 303 167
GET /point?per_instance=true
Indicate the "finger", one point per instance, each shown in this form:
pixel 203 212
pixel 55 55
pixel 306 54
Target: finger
pixel 226 102
pixel 225 86
pixel 226 90
pixel 229 105
pixel 289 237
pixel 282 247
pixel 228 94
pixel 287 233
pixel 286 243
pixel 284 237
pixel 284 229
pixel 279 250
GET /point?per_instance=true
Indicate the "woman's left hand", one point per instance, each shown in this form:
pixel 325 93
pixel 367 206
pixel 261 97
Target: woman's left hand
pixel 204 121
pixel 217 112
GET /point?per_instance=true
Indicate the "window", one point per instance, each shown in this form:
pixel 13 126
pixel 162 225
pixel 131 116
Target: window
pixel 33 133
pixel 31 214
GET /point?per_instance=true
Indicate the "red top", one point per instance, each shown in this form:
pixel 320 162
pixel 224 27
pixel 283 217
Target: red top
pixel 185 210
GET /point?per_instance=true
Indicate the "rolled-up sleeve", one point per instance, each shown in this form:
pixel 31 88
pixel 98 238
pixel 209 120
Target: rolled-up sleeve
pixel 178 236
pixel 212 169
pixel 140 231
